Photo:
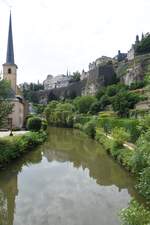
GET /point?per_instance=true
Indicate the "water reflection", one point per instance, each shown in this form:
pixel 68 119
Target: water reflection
pixel 69 180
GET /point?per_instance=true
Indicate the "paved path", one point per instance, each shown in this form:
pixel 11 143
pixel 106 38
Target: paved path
pixel 6 133
pixel 128 145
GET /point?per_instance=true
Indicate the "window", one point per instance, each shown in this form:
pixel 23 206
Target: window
pixel 9 70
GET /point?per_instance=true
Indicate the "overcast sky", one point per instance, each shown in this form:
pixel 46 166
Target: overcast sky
pixel 53 35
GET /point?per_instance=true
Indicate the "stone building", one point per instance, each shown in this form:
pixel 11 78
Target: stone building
pixel 120 56
pixel 84 75
pixel 131 52
pixel 20 106
pixel 59 81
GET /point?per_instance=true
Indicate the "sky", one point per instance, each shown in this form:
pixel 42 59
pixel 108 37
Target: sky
pixel 51 36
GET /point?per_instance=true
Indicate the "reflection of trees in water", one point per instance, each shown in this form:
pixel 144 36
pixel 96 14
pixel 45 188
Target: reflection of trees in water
pixel 3 209
pixel 9 185
pixel 71 145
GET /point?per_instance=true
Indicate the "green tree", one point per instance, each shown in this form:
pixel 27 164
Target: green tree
pixel 5 106
pixel 144 45
pixel 84 103
pixel 124 101
pixel 76 76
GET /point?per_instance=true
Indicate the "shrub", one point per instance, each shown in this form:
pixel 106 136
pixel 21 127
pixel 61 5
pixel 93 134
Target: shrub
pixel 137 85
pixel 84 103
pixel 120 135
pixel 141 157
pixel 82 119
pixel 11 148
pixel 90 129
pixel 135 214
pixel 78 126
pixel 95 108
pixel 104 101
pixel 100 93
pixel 144 183
pixel 124 101
pixel 34 124
pixel 44 124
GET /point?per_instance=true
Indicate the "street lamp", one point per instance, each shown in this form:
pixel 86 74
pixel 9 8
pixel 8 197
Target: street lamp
pixel 10 126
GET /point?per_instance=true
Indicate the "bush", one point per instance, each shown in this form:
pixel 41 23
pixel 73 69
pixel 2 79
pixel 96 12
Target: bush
pixel 135 214
pixel 95 108
pixel 109 122
pixel 124 101
pixel 44 124
pixel 104 101
pixel 79 118
pixel 84 103
pixel 120 135
pixel 78 126
pixel 137 85
pixel 11 148
pixel 141 157
pixel 34 124
pixel 144 183
pixel 90 129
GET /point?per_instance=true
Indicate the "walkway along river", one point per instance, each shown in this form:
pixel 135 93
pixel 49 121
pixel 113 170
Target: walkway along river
pixel 70 180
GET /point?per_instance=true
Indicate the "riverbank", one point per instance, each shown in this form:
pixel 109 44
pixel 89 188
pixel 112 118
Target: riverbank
pixel 15 146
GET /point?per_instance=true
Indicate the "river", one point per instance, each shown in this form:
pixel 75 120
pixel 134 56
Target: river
pixel 69 180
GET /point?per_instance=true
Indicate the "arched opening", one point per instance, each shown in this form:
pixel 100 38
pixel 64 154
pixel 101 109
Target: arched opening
pixel 9 70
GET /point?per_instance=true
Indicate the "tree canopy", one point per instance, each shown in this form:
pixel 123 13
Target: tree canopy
pixel 5 106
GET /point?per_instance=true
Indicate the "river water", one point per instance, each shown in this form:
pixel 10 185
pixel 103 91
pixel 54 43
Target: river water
pixel 69 180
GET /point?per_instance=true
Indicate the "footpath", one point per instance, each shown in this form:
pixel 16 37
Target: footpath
pixel 128 145
pixel 15 133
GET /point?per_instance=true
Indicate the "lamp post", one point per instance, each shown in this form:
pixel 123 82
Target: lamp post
pixel 10 126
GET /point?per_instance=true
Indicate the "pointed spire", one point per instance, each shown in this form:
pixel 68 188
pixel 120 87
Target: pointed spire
pixel 10 48
pixel 67 72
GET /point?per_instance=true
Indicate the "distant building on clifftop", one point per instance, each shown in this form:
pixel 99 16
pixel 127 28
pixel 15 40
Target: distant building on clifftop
pixel 59 81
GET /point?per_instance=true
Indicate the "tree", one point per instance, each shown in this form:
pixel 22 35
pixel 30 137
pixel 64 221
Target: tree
pixel 5 106
pixel 84 103
pixel 124 101
pixel 30 91
pixel 76 76
pixel 144 45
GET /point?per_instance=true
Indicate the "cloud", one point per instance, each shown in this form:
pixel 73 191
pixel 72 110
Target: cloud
pixel 51 36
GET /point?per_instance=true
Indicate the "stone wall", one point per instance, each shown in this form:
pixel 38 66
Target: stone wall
pixel 73 90
pixel 99 77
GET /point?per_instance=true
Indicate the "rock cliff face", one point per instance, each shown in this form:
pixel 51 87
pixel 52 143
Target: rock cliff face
pixel 98 77
pixel 101 75
pixel 134 70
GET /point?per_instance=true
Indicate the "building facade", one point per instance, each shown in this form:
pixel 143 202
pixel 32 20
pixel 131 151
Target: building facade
pixel 59 81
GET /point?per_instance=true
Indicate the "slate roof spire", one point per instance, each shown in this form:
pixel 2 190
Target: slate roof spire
pixel 10 47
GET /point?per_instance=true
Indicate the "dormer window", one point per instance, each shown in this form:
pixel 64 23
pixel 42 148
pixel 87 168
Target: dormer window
pixel 9 71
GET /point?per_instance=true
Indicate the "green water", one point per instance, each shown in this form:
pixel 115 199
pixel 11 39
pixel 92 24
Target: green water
pixel 69 180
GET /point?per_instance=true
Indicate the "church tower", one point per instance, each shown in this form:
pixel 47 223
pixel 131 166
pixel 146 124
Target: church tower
pixel 10 68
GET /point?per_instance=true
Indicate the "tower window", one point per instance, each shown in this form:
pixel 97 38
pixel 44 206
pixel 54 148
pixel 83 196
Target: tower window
pixel 9 70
